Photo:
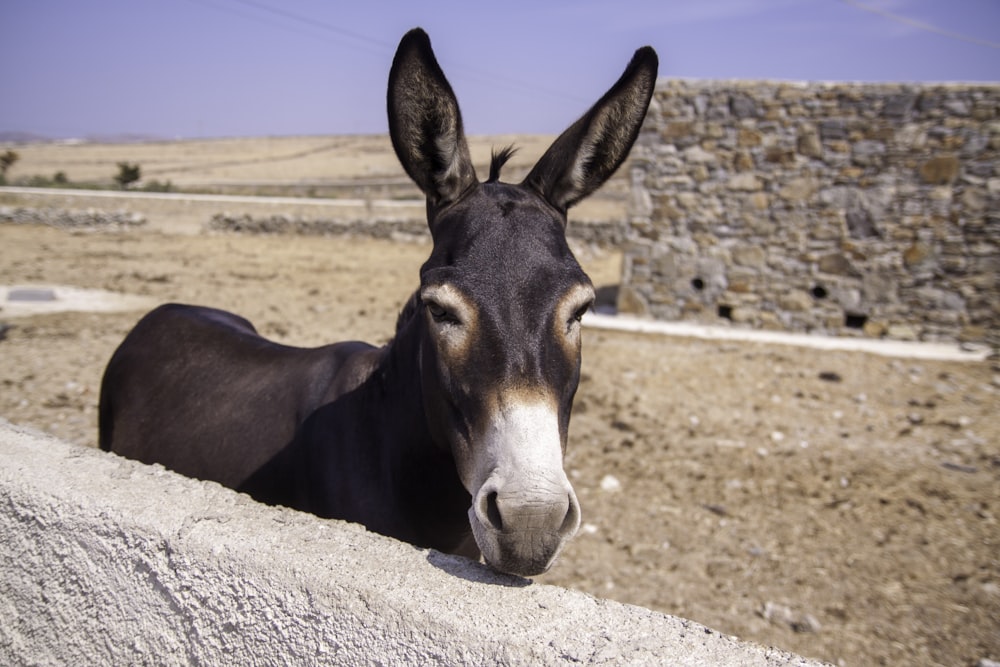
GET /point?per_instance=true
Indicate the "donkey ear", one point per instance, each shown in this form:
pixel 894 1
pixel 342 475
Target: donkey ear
pixel 425 123
pixel 589 152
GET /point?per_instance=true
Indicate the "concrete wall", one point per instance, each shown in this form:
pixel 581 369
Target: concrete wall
pixel 107 561
pixel 863 209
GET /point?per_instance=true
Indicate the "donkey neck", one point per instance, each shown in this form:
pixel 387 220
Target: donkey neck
pixel 425 480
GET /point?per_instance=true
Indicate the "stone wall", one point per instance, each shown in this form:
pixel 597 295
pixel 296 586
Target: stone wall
pixel 862 209
pixel 90 218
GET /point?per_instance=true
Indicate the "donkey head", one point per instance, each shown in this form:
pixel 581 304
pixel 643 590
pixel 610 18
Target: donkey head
pixel 502 297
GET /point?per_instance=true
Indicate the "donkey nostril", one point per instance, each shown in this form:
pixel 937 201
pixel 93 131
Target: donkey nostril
pixel 493 511
pixel 572 519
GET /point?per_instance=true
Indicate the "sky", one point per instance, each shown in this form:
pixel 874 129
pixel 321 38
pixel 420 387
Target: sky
pixel 225 68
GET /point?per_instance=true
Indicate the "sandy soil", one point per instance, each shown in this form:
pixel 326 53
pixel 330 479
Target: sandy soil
pixel 837 504
pixel 271 160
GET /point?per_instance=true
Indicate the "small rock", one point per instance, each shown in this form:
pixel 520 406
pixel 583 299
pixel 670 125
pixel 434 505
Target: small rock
pixel 610 484
pixel 718 510
pixel 958 467
pixel 780 614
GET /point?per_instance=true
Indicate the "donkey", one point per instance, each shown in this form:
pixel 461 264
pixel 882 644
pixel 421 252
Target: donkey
pixel 452 435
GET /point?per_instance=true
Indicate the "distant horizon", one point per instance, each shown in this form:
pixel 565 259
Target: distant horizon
pixel 8 136
pixel 198 69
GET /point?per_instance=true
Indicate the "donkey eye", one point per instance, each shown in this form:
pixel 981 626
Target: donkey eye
pixel 580 312
pixel 440 313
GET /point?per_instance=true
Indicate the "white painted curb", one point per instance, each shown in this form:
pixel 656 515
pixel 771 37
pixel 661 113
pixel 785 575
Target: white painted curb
pixel 884 347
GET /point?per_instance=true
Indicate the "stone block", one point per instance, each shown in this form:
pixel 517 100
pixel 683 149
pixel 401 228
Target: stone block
pixel 677 129
pixel 940 170
pixel 850 174
pixel 748 138
pixel 833 130
pixel 749 255
pixel 798 189
pixel 665 266
pixel 985 109
pixel 874 328
pixel 860 224
pixel 836 264
pixel 759 201
pixel 902 332
pixel 743 106
pixel 796 301
pixel 780 155
pixel 630 302
pixel 809 144
pixel 972 333
pixel 868 153
pixel 957 107
pixel 746 182
pixel 698 155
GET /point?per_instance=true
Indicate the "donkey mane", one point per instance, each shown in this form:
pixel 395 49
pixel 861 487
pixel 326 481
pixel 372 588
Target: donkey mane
pixel 498 159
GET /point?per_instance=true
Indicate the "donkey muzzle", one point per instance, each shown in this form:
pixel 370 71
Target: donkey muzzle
pixel 521 529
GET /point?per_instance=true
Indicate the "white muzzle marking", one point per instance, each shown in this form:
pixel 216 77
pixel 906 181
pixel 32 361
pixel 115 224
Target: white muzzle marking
pixel 524 509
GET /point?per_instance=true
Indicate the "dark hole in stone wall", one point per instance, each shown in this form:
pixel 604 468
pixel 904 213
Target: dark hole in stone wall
pixel 819 292
pixel 725 311
pixel 855 320
pixel 698 284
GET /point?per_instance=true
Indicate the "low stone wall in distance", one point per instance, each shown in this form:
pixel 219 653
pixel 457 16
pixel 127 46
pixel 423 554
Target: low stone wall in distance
pixel 72 219
pixel 599 220
pixel 606 233
pixel 862 209
pixel 105 561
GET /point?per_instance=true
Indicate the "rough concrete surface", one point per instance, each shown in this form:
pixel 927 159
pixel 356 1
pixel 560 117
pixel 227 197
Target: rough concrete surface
pixel 107 561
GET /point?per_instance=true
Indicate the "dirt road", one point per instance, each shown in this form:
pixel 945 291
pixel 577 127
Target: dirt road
pixel 838 504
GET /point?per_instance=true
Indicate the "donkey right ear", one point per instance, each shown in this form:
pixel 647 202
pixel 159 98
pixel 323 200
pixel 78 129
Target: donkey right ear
pixel 589 152
pixel 425 124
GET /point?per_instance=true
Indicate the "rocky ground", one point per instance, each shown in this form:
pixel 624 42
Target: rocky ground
pixel 840 505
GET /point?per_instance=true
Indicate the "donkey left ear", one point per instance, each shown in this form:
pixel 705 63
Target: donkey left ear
pixel 425 124
pixel 592 149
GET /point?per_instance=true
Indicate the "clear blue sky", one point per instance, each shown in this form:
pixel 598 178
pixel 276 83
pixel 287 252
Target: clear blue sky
pixel 212 68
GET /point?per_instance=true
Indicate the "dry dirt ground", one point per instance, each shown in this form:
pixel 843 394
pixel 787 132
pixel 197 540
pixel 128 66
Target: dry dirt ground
pixel 840 505
pixel 206 163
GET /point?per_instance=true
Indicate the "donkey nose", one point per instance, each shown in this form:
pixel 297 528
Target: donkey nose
pixel 530 511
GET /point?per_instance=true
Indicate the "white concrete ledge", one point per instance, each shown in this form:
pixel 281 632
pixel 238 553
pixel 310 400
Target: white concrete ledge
pixel 107 561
